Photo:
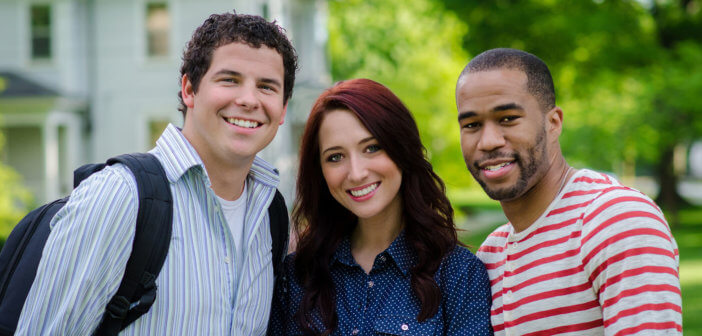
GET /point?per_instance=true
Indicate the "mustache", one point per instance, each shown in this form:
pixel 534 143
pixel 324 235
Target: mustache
pixel 496 155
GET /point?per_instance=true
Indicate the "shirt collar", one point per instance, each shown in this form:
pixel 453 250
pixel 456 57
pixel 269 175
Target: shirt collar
pixel 179 156
pixel 399 252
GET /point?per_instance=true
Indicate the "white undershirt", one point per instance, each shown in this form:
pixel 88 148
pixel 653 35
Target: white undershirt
pixel 234 212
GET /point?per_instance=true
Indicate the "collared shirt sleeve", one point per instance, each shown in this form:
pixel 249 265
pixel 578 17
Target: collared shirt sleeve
pixel 84 257
pixel 466 294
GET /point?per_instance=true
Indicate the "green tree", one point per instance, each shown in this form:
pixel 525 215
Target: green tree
pixel 412 47
pixel 626 73
pixel 15 199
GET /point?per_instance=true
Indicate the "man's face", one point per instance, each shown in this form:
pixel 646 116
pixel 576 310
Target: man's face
pixel 238 106
pixel 503 132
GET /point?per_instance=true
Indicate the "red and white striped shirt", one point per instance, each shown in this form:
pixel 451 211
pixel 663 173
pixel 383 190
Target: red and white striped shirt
pixel 601 260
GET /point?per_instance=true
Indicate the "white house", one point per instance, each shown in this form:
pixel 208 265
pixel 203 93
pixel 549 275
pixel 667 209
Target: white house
pixel 83 80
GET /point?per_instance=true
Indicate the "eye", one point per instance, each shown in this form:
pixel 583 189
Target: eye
pixel 471 125
pixel 230 80
pixel 508 119
pixel 373 148
pixel 267 87
pixel 336 157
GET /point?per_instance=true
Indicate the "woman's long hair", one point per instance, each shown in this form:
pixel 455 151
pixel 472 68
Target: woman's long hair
pixel 322 223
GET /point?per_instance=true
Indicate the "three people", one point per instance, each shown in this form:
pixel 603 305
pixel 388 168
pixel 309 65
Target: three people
pixel 237 77
pixel 581 254
pixel 377 250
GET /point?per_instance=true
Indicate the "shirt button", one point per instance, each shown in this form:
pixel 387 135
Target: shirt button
pixel 370 284
pixel 404 327
pixel 355 331
pixel 227 260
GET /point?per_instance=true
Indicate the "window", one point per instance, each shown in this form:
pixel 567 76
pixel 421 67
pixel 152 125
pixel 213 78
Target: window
pixel 158 26
pixel 40 18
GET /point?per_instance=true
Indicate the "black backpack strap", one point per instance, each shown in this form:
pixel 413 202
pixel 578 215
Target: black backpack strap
pixel 137 291
pixel 278 215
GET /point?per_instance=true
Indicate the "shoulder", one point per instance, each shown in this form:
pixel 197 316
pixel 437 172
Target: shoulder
pixel 116 178
pixel 460 256
pixel 461 262
pixel 494 243
pixel 498 236
pixel 622 218
pixel 618 202
pixel 107 194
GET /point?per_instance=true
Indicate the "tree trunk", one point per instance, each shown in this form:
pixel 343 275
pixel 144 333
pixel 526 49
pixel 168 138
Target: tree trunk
pixel 668 197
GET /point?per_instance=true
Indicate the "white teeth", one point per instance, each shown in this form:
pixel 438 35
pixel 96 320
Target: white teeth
pixel 243 123
pixel 365 191
pixel 496 167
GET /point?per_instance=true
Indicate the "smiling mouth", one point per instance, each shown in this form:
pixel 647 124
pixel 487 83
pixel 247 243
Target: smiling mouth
pixel 242 122
pixel 497 166
pixel 365 191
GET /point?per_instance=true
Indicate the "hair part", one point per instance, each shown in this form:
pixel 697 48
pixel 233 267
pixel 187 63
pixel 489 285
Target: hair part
pixel 226 28
pixel 322 223
pixel 539 80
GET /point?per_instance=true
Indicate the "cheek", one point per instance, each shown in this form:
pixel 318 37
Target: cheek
pixel 467 144
pixel 332 177
pixel 390 169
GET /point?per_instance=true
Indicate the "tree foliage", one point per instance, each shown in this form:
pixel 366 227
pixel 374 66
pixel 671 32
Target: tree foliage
pixel 413 47
pixel 627 74
pixel 15 199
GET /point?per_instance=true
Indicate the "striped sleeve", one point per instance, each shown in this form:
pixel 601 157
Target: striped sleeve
pixel 632 262
pixel 84 257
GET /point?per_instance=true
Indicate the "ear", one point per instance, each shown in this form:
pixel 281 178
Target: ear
pixel 282 117
pixel 186 91
pixel 554 120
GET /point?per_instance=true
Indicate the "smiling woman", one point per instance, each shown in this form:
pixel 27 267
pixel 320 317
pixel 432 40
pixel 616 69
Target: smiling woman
pixel 377 249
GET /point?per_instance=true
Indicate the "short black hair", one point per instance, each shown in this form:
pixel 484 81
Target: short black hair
pixel 221 29
pixel 539 80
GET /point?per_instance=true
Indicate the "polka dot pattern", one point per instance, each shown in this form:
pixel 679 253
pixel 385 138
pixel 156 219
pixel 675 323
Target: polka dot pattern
pixel 382 302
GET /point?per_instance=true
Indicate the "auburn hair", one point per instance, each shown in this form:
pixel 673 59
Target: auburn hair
pixel 321 223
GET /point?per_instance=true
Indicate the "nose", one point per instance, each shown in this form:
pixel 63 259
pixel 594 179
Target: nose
pixel 491 138
pixel 246 97
pixel 357 169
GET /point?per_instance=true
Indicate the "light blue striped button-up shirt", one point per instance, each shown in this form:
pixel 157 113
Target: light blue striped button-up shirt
pixel 204 288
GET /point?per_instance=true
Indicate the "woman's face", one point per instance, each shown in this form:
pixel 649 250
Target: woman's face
pixel 359 173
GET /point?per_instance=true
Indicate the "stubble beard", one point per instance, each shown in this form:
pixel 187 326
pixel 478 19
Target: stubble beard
pixel 529 166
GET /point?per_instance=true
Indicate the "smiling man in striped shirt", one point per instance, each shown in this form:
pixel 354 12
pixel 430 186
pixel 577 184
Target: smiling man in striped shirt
pixel 237 76
pixel 581 254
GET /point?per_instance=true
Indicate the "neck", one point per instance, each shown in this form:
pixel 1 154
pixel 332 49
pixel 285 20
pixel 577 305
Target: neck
pixel 373 236
pixel 227 174
pixel 523 211
pixel 227 183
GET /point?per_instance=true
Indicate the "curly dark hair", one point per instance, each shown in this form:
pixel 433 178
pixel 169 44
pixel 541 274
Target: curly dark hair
pixel 321 223
pixel 221 29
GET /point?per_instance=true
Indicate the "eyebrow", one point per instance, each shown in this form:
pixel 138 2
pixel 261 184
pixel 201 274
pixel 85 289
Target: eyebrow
pixel 233 73
pixel 370 138
pixel 499 108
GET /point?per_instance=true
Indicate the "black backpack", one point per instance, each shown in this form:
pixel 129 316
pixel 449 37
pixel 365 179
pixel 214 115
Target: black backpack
pixel 21 253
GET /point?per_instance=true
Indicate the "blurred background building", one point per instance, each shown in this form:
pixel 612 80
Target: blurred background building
pixel 84 80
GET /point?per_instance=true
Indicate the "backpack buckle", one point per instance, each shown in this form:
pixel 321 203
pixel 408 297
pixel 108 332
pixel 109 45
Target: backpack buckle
pixel 118 307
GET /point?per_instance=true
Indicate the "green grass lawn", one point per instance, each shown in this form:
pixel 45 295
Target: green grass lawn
pixel 688 235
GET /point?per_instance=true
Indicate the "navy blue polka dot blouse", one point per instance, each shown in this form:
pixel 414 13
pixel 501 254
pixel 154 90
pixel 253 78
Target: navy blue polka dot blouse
pixel 382 302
